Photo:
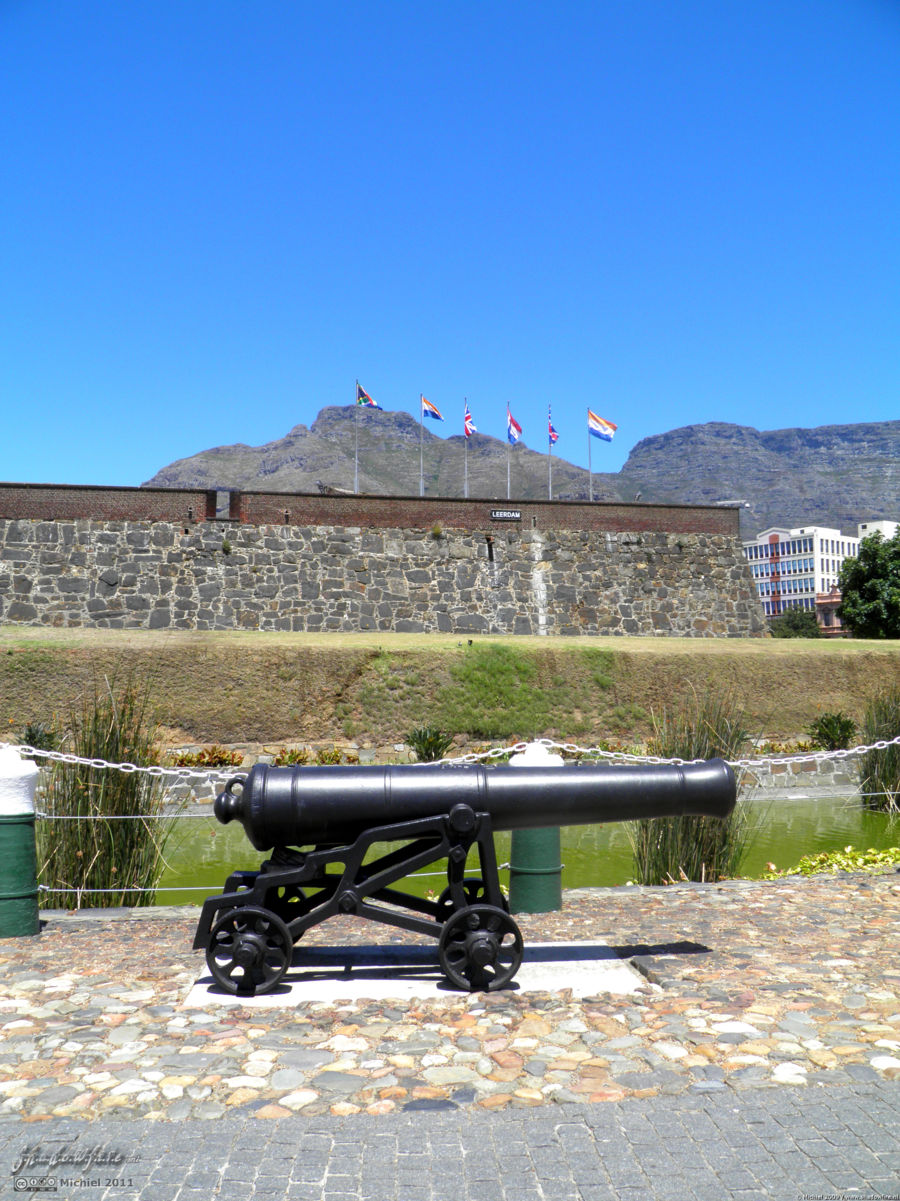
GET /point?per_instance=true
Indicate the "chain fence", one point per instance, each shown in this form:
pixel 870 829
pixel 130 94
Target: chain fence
pixel 194 775
pixel 498 752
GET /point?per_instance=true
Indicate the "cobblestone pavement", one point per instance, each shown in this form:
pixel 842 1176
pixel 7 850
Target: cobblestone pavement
pixel 784 1144
pixel 762 999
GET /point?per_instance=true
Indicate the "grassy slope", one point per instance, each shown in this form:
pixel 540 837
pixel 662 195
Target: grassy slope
pixel 271 688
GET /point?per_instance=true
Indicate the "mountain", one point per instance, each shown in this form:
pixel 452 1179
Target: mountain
pixel 388 462
pixel 833 475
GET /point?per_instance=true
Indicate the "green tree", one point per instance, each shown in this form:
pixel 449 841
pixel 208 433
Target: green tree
pixel 870 588
pixel 795 623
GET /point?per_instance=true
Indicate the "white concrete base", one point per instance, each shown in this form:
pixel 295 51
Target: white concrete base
pixel 412 973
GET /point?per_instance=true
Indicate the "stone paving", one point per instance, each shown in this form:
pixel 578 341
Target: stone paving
pixel 749 985
pixel 784 1144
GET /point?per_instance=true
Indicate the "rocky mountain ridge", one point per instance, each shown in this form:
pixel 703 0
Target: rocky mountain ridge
pixel 835 475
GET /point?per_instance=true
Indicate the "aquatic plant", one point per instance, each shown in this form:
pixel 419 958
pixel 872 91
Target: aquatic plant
pixel 668 849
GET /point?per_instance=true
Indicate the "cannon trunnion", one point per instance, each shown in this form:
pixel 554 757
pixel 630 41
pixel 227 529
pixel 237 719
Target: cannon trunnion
pixel 322 823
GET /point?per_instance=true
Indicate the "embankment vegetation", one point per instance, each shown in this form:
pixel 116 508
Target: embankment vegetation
pixel 270 689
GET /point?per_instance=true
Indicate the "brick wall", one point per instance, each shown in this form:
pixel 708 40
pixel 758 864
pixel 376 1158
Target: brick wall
pixel 58 502
pixel 393 512
pixel 65 502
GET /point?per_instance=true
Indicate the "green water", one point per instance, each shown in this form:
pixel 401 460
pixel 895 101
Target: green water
pixel 202 853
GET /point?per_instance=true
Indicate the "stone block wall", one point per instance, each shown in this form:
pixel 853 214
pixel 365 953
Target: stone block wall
pixel 518 578
pixel 838 777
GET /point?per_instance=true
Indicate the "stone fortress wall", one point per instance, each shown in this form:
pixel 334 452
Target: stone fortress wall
pixel 141 558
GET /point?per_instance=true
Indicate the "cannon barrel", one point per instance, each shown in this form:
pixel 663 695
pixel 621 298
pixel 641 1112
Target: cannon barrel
pixel 315 806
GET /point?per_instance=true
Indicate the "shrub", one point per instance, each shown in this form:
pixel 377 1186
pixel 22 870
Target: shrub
pixel 795 623
pixel 209 756
pixel 428 743
pixel 326 757
pixel 779 749
pixel 879 770
pixel 41 736
pixel 667 849
pixel 116 840
pixel 832 731
pixel 298 757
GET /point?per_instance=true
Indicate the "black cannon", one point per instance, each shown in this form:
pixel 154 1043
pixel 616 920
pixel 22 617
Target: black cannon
pixel 321 823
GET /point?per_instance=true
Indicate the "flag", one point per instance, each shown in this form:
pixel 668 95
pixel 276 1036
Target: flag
pixel 553 434
pixel 513 429
pixel 430 410
pixel 468 424
pixel 600 428
pixel 363 398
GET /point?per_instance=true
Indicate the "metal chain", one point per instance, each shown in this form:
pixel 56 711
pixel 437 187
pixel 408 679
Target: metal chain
pixel 626 756
pixel 177 773
pixel 191 773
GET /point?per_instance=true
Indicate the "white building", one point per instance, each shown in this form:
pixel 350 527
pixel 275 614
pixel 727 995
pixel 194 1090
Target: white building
pixel 798 569
pixel 887 528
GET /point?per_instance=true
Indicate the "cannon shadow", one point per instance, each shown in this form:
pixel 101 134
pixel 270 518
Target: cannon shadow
pixel 544 965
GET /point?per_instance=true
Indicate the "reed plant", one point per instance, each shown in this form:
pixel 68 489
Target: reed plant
pixel 105 828
pixel 668 849
pixel 879 770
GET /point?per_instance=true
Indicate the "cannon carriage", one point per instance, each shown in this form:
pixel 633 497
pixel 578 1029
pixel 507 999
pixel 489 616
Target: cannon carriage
pixel 326 828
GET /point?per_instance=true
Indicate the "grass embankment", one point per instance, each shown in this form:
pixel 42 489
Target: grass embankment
pixel 274 688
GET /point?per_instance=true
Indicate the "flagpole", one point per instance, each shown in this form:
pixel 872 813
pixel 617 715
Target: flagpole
pixel 356 439
pixel 507 466
pixel 421 441
pixel 590 473
pixel 466 443
pixel 549 452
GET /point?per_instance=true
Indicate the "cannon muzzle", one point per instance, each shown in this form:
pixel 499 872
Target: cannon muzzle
pixel 316 806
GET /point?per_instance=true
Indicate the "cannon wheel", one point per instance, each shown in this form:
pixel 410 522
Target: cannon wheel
pixel 480 948
pixel 249 950
pixel 473 889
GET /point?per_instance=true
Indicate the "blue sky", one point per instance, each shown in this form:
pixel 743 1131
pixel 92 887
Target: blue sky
pixel 218 214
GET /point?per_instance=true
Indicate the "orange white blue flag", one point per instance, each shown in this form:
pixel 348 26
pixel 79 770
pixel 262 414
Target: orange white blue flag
pixel 430 410
pixel 600 427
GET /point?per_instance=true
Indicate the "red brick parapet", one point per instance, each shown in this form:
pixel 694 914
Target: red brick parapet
pixel 51 502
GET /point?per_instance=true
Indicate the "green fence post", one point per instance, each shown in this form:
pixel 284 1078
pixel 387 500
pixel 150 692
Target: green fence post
pixel 18 879
pixel 535 870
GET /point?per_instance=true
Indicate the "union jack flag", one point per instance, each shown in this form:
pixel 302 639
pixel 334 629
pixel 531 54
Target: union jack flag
pixel 552 433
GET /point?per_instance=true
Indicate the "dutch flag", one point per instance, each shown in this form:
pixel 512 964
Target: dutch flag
pixel 513 429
